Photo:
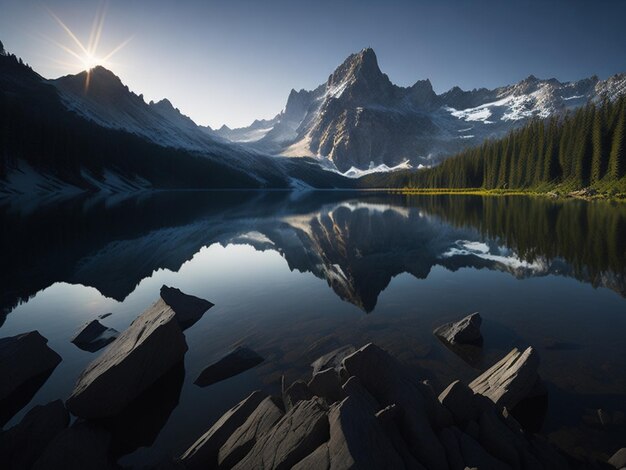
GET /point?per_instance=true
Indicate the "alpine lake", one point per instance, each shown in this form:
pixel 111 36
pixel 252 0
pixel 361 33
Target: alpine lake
pixel 294 275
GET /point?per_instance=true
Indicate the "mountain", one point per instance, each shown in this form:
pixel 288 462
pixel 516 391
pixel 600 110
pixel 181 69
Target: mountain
pixel 89 132
pixel 360 119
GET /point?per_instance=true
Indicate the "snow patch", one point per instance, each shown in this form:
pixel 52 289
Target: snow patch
pixel 481 250
pixel 354 172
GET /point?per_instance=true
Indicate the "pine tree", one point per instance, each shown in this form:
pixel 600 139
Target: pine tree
pixel 616 158
pixel 598 146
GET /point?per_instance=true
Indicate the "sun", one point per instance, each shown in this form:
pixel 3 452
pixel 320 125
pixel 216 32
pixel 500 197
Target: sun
pixel 86 55
pixel 90 61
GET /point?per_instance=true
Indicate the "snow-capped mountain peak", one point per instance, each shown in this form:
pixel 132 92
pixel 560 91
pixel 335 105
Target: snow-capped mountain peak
pixel 358 116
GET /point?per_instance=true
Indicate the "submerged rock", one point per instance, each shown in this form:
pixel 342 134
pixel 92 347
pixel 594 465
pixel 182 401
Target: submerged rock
pixel 149 348
pixel 236 362
pixel 25 442
pixel 188 308
pixel 94 336
pixel 204 452
pixel 511 379
pixel 26 362
pixel 464 331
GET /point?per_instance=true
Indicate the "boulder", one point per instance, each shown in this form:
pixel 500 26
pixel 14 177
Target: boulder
pixel 141 421
pixel 78 447
pixel 26 362
pixel 94 336
pixel 510 380
pixel 497 439
pixel 148 349
pixel 448 438
pixel 353 388
pixel 332 359
pixel 325 384
pixel 357 439
pixel 475 456
pixel 243 439
pixel 204 452
pixel 618 460
pixel 25 442
pixel 389 417
pixel 300 432
pixel 188 308
pixel 387 382
pixel 458 398
pixel 464 331
pixel 236 362
pixel 295 393
pixel 318 459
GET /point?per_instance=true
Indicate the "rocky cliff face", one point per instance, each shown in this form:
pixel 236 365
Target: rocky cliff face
pixel 360 119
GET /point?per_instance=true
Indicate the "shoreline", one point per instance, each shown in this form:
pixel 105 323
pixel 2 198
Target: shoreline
pixel 579 194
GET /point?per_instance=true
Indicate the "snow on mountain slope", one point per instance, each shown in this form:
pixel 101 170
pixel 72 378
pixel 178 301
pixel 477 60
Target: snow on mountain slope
pixel 358 116
pixel 100 96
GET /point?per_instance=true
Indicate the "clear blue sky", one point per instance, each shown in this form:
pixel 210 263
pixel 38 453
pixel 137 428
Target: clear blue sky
pixel 232 61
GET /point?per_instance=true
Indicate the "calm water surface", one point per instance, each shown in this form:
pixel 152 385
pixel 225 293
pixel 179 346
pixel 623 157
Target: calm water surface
pixel 294 276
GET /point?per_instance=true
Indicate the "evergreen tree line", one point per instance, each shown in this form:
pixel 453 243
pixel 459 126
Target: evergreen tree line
pixel 584 148
pixel 590 238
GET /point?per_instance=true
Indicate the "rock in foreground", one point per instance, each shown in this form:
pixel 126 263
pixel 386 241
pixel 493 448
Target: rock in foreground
pixel 150 347
pixel 93 336
pixel 464 331
pixel 25 442
pixel 79 447
pixel 386 418
pixel 510 380
pixel 238 361
pixel 203 453
pixel 26 361
pixel 188 308
pixel 618 460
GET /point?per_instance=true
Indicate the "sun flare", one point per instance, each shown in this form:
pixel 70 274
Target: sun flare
pixel 86 55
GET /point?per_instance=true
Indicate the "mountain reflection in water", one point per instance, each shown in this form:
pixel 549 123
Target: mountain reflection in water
pixel 357 243
pixel 267 261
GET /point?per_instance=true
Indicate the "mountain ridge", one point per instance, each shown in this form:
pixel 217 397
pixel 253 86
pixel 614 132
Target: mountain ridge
pixel 359 118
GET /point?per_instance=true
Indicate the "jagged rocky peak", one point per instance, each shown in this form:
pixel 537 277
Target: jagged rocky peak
pixel 298 103
pixel 421 94
pixel 460 99
pixel 358 77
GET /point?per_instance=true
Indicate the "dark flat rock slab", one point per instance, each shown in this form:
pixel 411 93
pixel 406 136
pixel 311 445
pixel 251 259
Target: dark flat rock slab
pixel 24 443
pixel 26 362
pixel 94 336
pixel 464 331
pixel 144 352
pixel 238 361
pixel 511 379
pixel 79 447
pixel 188 308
